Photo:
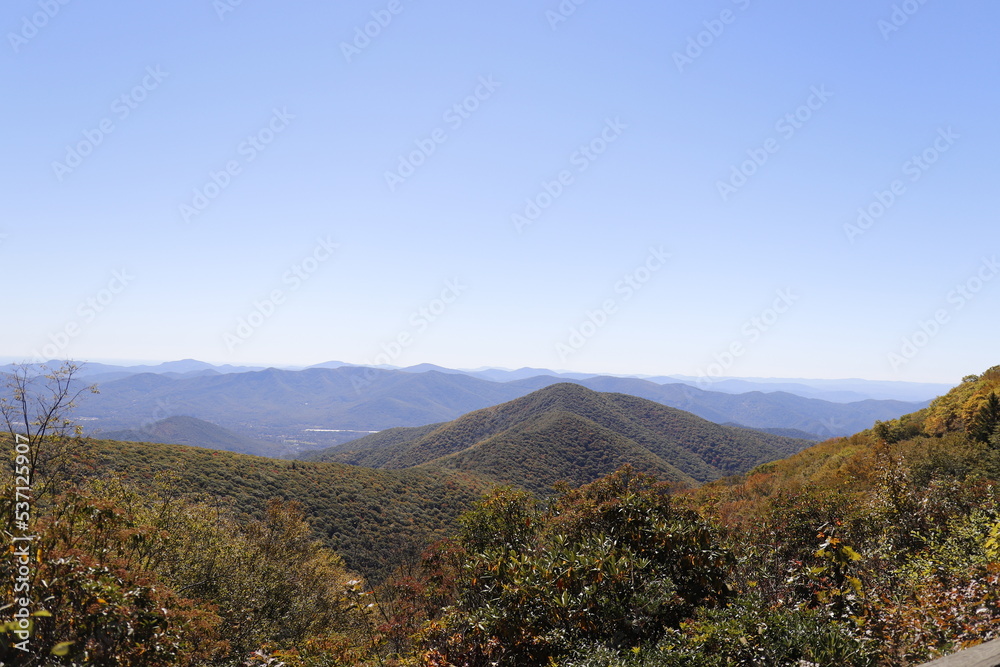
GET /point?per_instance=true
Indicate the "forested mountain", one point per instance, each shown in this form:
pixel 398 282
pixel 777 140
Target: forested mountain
pixel 877 550
pixel 881 549
pixel 568 432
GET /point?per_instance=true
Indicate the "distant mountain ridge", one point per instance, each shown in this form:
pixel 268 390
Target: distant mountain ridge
pixel 566 432
pixel 176 368
pixel 838 391
pixel 283 406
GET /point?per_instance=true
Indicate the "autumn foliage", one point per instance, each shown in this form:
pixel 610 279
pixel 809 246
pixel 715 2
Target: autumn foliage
pixel 882 549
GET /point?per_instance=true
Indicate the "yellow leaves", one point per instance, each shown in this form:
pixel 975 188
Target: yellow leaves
pixel 992 544
pixel 61 649
pixel 850 553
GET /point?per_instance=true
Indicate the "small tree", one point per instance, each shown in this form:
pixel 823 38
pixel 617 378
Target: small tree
pixel 984 425
pixel 35 405
pixel 887 432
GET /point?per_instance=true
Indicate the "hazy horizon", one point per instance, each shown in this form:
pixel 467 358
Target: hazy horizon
pixel 636 374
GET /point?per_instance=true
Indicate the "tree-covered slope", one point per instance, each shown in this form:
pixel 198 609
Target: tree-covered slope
pixel 881 549
pixel 947 428
pixel 503 440
pixel 559 446
pixel 363 514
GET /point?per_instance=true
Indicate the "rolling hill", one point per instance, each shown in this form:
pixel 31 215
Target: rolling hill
pixel 568 432
pixel 370 517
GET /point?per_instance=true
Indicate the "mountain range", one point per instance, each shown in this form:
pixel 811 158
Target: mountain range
pixel 320 407
pixel 402 487
pixel 284 412
pixel 410 482
pixel 837 391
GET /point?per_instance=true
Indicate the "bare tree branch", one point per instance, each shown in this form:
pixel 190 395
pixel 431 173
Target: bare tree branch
pixel 35 405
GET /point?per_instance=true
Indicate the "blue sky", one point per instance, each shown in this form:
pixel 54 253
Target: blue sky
pixel 630 187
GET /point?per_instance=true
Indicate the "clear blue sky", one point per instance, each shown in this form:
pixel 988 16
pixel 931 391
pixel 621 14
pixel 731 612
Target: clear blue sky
pixel 116 114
